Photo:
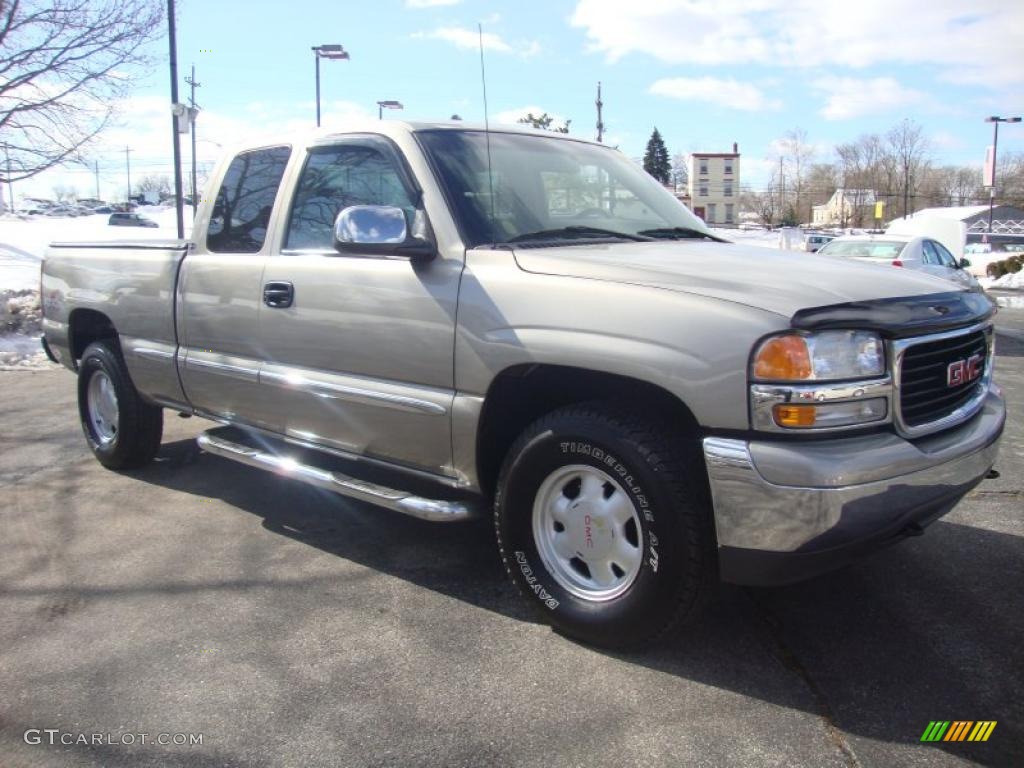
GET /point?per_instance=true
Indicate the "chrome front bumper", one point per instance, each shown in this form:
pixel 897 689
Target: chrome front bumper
pixel 785 510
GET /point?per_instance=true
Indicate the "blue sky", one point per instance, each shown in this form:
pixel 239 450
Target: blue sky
pixel 705 73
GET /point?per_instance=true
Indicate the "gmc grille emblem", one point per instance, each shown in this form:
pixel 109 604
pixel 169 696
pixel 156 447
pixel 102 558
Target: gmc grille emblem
pixel 964 371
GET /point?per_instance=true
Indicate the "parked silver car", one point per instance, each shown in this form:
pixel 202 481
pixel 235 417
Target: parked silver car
pixel 923 254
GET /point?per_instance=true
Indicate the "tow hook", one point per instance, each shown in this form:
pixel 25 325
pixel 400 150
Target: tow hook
pixel 993 474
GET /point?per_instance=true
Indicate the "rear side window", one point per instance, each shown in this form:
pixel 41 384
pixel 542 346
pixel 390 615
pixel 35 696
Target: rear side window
pixel 245 200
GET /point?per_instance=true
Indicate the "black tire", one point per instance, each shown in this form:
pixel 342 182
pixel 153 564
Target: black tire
pixel 139 428
pixel 661 474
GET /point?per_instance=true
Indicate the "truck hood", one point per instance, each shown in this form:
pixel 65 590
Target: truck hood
pixel 774 280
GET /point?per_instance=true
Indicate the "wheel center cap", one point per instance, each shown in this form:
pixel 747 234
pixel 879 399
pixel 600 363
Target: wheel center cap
pixel 592 536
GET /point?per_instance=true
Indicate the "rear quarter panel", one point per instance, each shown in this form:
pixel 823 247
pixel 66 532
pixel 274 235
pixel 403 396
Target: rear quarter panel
pixel 131 284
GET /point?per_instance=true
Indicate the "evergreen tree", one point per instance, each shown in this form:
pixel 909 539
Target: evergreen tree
pixel 656 159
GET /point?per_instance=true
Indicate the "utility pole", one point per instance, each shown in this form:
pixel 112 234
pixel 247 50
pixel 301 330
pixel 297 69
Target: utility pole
pixel 600 122
pixel 192 117
pixel 172 41
pixel 10 186
pixel 128 165
pixel 96 170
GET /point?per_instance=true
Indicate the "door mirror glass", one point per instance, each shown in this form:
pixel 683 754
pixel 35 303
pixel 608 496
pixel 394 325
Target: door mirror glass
pixel 370 225
pixel 964 263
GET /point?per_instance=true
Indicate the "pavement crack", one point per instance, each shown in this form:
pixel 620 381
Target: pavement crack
pixel 772 628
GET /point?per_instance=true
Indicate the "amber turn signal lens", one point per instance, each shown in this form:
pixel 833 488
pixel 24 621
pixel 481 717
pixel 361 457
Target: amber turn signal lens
pixel 795 415
pixel 783 358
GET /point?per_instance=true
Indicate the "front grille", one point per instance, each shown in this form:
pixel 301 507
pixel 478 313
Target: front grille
pixel 925 394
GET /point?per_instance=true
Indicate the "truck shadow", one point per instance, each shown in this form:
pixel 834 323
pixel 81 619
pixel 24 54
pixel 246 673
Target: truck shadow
pixel 925 630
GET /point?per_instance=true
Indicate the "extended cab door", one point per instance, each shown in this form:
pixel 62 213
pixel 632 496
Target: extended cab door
pixel 360 356
pixel 221 291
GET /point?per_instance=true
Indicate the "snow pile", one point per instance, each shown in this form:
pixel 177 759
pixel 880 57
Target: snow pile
pixel 1011 280
pixel 19 331
pixel 759 237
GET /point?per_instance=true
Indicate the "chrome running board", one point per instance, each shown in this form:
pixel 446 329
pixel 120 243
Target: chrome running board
pixel 434 510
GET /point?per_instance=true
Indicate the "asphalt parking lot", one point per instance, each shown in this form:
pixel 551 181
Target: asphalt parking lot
pixel 292 628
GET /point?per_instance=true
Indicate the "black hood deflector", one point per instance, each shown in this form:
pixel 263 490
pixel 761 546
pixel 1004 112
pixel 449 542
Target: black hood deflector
pixel 901 316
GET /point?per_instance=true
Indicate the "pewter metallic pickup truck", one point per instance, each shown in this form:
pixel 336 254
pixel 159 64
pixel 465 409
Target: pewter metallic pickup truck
pixel 442 320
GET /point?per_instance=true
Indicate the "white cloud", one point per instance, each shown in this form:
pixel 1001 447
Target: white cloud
pixel 730 93
pixel 979 45
pixel 429 3
pixel 469 39
pixel 849 97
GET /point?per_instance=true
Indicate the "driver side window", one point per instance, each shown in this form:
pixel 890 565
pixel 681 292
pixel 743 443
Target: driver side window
pixel 336 177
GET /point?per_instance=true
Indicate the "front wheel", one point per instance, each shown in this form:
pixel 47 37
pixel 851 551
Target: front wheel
pixel 121 428
pixel 603 522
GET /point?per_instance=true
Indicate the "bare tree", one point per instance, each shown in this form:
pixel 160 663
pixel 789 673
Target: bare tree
pixel 907 155
pixel 1010 178
pixel 65 194
pixel 863 176
pixel 951 185
pixel 154 185
pixel 680 171
pixel 797 155
pixel 63 65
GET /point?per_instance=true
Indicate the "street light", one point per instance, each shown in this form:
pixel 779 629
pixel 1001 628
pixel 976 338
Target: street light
pixel 995 120
pixel 382 105
pixel 332 51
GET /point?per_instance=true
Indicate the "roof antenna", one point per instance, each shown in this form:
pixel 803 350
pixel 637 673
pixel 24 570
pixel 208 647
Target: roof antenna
pixel 487 127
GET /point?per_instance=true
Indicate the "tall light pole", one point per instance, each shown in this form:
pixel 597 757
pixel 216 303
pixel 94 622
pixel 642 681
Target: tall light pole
pixel 389 104
pixel 995 120
pixel 172 41
pixel 332 51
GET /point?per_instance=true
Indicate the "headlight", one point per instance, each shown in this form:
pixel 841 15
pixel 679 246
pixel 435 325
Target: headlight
pixel 822 356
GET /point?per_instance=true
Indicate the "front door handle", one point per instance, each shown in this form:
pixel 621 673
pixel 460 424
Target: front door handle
pixel 278 294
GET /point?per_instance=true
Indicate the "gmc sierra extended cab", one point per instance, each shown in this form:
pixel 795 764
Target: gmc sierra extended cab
pixel 441 320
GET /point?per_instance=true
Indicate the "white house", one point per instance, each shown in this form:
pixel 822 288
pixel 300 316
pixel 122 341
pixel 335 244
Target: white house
pixel 846 206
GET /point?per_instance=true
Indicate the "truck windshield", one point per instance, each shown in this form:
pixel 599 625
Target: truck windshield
pixel 546 191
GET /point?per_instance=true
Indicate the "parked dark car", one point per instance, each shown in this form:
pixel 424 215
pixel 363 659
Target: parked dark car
pixel 130 220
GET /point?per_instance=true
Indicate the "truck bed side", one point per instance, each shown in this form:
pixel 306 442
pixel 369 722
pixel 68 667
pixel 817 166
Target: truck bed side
pixel 96 290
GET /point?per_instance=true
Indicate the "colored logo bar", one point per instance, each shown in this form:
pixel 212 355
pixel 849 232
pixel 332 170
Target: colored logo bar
pixel 958 730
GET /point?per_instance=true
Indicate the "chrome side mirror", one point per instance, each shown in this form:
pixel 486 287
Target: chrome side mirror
pixel 382 230
pixel 370 225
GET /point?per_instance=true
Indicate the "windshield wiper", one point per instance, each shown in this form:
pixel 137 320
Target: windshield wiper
pixel 575 232
pixel 678 233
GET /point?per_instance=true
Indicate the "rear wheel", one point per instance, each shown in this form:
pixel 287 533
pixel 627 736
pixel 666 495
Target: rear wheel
pixel 121 428
pixel 603 521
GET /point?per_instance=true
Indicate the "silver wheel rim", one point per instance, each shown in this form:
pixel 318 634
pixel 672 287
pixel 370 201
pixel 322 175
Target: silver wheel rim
pixel 587 532
pixel 101 400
